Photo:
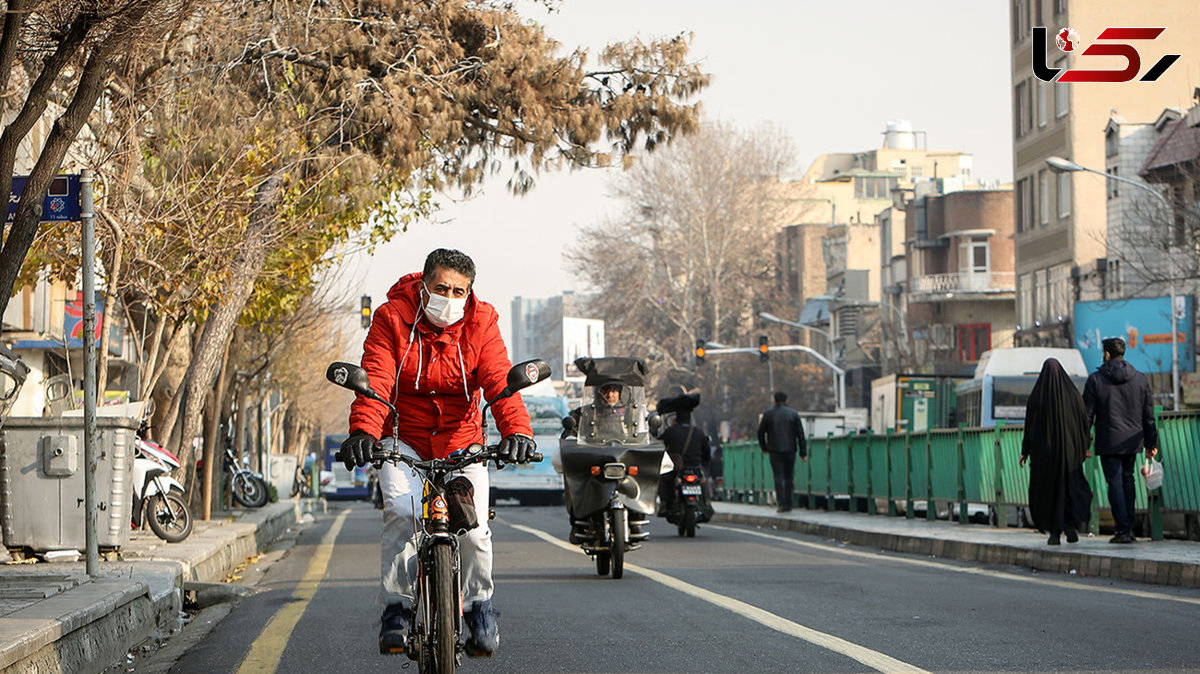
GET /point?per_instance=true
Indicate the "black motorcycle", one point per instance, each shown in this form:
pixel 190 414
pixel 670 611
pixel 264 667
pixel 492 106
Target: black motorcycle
pixel 610 465
pixel 691 505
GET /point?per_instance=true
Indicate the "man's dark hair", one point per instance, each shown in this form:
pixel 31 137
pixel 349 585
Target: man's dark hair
pixel 454 260
pixel 780 397
pixel 1114 347
pixel 683 417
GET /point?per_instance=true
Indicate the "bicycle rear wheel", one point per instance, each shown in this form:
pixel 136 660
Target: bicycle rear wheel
pixel 443 604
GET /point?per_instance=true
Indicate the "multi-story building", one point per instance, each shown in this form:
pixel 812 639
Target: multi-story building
pixel 861 245
pixel 960 291
pixel 559 330
pixel 1060 218
pixel 1131 268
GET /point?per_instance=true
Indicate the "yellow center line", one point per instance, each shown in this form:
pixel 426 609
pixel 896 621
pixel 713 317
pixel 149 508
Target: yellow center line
pixel 874 659
pixel 1140 594
pixel 267 649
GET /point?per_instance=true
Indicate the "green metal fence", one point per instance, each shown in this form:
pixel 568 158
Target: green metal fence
pixel 956 467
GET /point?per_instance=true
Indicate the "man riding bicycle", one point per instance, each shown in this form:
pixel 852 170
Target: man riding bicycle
pixel 433 347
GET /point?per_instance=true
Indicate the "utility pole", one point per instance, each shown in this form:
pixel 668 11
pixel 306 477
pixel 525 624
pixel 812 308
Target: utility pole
pixel 88 222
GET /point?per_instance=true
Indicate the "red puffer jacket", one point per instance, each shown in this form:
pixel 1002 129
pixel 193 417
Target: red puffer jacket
pixel 441 372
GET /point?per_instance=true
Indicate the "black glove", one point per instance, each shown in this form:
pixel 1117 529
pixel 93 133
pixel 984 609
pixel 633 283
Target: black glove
pixel 516 448
pixel 356 449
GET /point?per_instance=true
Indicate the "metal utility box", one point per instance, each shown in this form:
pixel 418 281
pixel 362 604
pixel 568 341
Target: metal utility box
pixel 42 482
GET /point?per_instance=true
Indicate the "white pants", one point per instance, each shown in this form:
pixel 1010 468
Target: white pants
pixel 402 488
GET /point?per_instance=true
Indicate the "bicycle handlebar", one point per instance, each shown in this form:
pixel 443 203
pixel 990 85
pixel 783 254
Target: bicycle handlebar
pixel 380 455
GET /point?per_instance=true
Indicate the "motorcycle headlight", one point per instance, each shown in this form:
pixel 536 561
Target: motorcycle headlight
pixel 614 471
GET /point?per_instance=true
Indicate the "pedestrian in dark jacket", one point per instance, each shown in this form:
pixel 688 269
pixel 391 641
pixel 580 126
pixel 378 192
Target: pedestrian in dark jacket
pixel 1056 443
pixel 1120 405
pixel 781 435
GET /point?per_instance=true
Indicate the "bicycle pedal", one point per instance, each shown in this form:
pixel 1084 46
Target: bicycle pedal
pixel 491 514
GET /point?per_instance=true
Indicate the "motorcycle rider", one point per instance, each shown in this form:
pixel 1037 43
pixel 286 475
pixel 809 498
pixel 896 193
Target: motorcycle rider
pixel 433 347
pixel 688 447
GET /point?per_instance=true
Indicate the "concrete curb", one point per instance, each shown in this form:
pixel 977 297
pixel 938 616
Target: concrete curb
pixel 91 626
pixel 1159 572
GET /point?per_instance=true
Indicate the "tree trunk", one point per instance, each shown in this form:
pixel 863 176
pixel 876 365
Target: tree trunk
pixel 110 306
pixel 35 103
pixel 62 136
pixel 14 22
pixel 213 445
pixel 218 329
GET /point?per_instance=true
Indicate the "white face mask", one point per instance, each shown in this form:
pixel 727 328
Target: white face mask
pixel 443 311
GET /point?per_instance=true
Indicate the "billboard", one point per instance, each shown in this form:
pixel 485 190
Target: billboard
pixel 1144 324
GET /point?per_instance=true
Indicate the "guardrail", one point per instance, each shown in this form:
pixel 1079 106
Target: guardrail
pixel 957 467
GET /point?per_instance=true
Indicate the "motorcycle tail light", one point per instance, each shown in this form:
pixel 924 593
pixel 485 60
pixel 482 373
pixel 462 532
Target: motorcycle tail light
pixel 614 471
pixel 595 470
pixel 633 470
pixel 689 478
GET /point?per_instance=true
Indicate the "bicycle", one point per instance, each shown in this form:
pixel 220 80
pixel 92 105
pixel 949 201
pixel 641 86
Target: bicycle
pixel 437 640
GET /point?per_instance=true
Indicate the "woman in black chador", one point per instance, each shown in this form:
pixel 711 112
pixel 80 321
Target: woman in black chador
pixel 1056 443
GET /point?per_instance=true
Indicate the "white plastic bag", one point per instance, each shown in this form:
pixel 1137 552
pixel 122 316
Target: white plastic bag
pixel 1152 472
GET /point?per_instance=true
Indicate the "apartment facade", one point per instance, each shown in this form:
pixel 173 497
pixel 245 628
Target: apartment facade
pixel 961 287
pixel 1060 219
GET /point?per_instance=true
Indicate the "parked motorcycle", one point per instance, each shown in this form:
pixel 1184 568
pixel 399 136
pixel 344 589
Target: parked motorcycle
pixel 609 462
pixel 248 487
pixel 158 499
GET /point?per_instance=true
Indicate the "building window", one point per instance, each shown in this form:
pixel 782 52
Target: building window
pixel 1043 198
pixel 1025 300
pixel 1060 6
pixel 1042 89
pixel 1064 195
pixel 1026 204
pixel 1022 108
pixel 867 187
pixel 1112 184
pixel 1041 294
pixel 973 340
pixel 1062 92
pixel 1059 301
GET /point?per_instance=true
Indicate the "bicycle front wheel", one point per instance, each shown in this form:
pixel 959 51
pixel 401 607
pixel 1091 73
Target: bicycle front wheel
pixel 443 609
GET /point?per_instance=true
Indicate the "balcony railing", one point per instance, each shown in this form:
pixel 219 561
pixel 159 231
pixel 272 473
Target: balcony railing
pixel 965 282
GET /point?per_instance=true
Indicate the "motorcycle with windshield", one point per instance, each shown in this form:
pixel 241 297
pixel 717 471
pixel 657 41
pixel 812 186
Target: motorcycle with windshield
pixel 438 638
pixel 609 462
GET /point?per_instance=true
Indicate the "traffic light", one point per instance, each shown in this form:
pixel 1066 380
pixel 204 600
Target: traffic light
pixel 366 311
pixel 699 351
pixel 763 349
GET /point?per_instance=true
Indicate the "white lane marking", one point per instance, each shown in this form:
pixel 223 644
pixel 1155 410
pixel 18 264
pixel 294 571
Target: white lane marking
pixel 873 659
pixel 942 566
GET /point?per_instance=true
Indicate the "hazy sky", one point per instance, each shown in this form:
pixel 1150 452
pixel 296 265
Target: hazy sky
pixel 828 73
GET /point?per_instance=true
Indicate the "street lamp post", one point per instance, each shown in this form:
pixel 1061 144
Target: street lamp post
pixel 1060 165
pixel 839 375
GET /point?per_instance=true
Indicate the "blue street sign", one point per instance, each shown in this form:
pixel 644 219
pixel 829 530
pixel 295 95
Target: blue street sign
pixel 62 199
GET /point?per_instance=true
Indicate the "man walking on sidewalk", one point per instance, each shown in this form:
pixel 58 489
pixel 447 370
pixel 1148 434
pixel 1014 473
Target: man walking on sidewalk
pixel 781 435
pixel 1120 405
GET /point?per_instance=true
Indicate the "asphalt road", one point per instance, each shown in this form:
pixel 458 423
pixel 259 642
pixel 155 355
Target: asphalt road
pixel 732 599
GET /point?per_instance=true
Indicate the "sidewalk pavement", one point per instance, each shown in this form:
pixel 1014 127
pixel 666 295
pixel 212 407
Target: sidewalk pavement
pixel 54 619
pixel 1161 562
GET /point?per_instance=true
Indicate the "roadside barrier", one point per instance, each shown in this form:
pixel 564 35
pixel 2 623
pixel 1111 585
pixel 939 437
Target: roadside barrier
pixel 914 473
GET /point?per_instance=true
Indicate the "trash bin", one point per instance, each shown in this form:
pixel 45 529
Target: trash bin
pixel 42 482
